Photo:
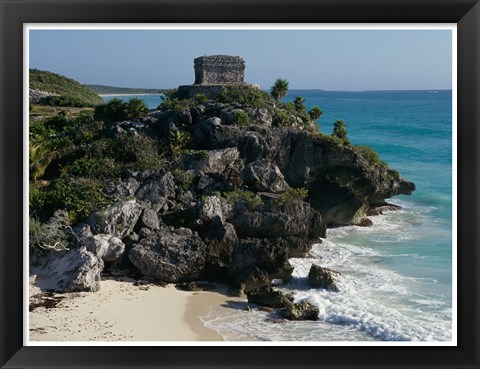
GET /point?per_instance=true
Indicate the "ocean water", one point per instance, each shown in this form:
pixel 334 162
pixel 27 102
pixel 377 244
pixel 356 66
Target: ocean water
pixel 396 276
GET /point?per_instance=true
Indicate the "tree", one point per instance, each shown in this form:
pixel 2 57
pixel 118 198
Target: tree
pixel 135 108
pixel 340 130
pixel 39 159
pixel 279 89
pixel 299 104
pixel 315 113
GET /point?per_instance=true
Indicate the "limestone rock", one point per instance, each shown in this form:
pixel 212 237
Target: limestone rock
pixel 264 176
pixel 294 224
pixel 300 311
pixel 117 220
pixel 212 206
pixel 216 161
pixel 267 296
pixel 68 271
pixel 322 277
pixel 170 255
pixel 157 188
pixel 261 254
pixel 150 219
pixel 107 247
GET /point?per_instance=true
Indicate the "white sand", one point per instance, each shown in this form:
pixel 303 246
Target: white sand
pixel 121 311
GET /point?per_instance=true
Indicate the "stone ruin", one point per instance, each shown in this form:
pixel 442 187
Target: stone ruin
pixel 219 69
pixel 213 73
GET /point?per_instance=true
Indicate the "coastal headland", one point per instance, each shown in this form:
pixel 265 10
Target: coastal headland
pixel 223 187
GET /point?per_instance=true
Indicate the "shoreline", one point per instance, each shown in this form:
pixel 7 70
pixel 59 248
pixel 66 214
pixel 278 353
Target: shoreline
pixel 158 94
pixel 121 311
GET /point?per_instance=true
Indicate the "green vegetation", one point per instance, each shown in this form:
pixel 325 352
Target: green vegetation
pixel 291 195
pixel 315 113
pixel 340 131
pixel 251 199
pixel 111 90
pixel 299 104
pixel 69 90
pixel 241 118
pixel 245 95
pixel 279 89
pixel 178 142
pixel 55 234
pixel 117 110
pixel 172 100
pixel 77 161
pixel 370 155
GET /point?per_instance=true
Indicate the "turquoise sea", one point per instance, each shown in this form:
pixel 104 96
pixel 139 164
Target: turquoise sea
pixel 396 276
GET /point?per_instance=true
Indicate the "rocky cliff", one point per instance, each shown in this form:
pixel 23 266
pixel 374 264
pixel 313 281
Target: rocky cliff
pixel 239 198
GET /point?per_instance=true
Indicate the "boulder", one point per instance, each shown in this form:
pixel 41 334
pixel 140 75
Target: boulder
pixel 150 219
pixel 267 296
pixel 127 188
pixel 264 176
pixel 107 247
pixel 82 232
pixel 117 220
pixel 300 311
pixel 296 224
pixel 322 277
pixel 220 239
pixel 157 188
pixel 68 271
pixel 215 161
pixel 262 116
pixel 211 207
pixel 253 255
pixel 248 279
pixel 171 255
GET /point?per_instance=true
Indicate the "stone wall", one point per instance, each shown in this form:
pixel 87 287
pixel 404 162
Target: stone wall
pixel 219 69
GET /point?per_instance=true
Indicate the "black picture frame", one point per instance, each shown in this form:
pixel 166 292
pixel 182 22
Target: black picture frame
pixel 14 13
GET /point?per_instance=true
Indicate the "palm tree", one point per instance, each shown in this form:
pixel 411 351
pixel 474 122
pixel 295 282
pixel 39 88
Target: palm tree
pixel 39 159
pixel 340 130
pixel 299 101
pixel 315 112
pixel 136 108
pixel 279 89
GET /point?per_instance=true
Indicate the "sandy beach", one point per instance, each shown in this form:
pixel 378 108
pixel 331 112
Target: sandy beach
pixel 122 311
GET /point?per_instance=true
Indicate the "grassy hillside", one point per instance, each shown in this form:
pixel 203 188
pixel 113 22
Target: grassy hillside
pixel 106 90
pixel 67 88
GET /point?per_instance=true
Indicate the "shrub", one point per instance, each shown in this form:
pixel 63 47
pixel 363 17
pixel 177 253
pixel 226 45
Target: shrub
pixel 113 111
pixel 55 234
pixel 178 141
pixel 79 196
pixel 291 195
pixel 251 199
pixel 94 167
pixel 200 99
pixel 241 118
pixel 64 101
pixel 245 95
pixel 135 108
pixel 173 100
pixel 370 155
pixel 39 159
pixel 283 118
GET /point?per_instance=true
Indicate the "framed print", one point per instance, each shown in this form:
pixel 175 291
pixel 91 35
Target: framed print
pixel 249 185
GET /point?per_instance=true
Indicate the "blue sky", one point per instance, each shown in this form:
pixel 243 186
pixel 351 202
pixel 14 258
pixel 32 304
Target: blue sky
pixel 308 59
